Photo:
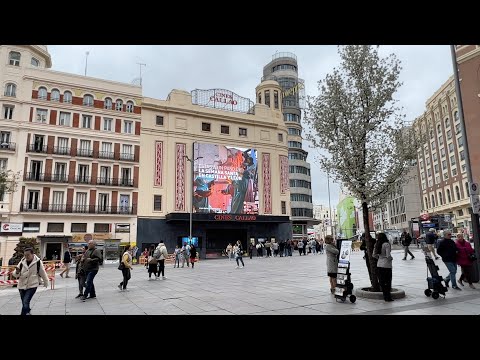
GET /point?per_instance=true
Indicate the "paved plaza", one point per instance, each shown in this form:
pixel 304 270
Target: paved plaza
pixel 266 286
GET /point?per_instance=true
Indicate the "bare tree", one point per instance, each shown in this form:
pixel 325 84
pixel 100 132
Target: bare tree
pixel 8 181
pixel 355 120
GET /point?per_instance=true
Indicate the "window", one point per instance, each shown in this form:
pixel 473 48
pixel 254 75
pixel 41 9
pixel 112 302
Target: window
pixel 457 192
pixel 64 119
pixel 3 164
pixel 467 190
pixel 464 168
pixel 454 172
pixel 101 228
pixel 130 106
pixel 428 160
pixel 108 104
pixel 284 207
pixel 127 153
pixel 205 126
pixel 457 129
pixel 439 130
pixel 242 131
pixel 259 97
pixel 436 168
pixel 462 155
pixel 33 198
pixel 429 172
pixel 86 121
pixel 159 120
pixel 14 58
pixel 460 212
pixel 449 134
pixel 452 160
pixel 126 179
pixel 460 141
pixel 267 98
pixel 41 116
pixel 35 62
pixel 81 202
pixel 426 203
pixel 88 100
pixel 295 144
pixel 124 204
pixel 433 201
pixel 294 131
pixel 55 95
pixel 62 147
pixel 42 93
pixel 450 147
pixel 437 179
pixel 119 105
pixel 10 90
pixel 447 123
pixel 157 202
pixel 435 157
pixel 442 152
pixel 444 164
pixel 445 176
pixel 275 98
pixel 103 202
pixel 431 134
pixel 421 164
pixel 455 115
pixel 440 140
pixel 430 183
pixel 67 97
pixel 79 228
pixel 280 137
pixel 31 227
pixel 107 124
pixel 433 145
pixel 57 202
pixel 38 142
pixel 291 117
pixel 60 172
pixel 225 129
pixel 84 149
pixel 448 196
pixel 423 175
pixel 8 112
pixel 127 127
pixel 440 198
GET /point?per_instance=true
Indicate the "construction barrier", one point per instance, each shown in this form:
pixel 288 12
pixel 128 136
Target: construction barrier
pixel 8 280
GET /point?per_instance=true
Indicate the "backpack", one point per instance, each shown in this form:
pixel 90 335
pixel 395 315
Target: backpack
pixel 38 267
pixel 157 254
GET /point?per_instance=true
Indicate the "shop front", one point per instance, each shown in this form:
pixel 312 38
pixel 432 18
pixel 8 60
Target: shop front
pixel 109 247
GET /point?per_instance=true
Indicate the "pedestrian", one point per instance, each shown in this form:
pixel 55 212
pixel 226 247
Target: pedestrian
pixel 332 261
pixel 93 259
pixel 152 263
pixel 67 259
pixel 186 254
pixel 321 246
pixel 281 247
pixel 465 258
pixel 406 241
pixel 125 266
pixel 289 247
pixel 193 256
pixel 229 251
pixel 250 249
pixel 28 272
pixel 275 247
pixel 382 252
pixel 161 260
pixel 145 256
pixel 447 249
pixel 430 240
pixel 239 254
pixel 177 256
pixel 305 244
pixel 300 247
pixel 268 248
pixel 313 246
pixel 80 275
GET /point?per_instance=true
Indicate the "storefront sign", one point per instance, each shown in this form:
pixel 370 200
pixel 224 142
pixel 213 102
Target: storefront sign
pixel 228 217
pixel 222 99
pixel 81 238
pixel 122 228
pixel 11 228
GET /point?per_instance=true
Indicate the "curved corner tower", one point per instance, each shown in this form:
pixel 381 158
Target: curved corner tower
pixel 284 69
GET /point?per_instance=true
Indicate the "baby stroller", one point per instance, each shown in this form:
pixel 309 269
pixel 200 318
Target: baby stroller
pixel 435 281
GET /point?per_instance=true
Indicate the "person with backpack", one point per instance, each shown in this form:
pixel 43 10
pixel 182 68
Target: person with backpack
pixel 161 256
pixel 239 254
pixel 406 241
pixel 92 260
pixel 28 271
pixel 67 259
pixel 125 266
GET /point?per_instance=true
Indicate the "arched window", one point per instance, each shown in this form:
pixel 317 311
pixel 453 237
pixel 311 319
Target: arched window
pixel 10 90
pixel 55 95
pixel 88 100
pixel 439 129
pixel 67 97
pixel 108 104
pixel 14 58
pixel 42 93
pixel 130 106
pixel 35 62
pixel 447 123
pixel 119 105
pixel 457 191
pixel 431 133
pixel 259 97
pixel 426 203
pixel 467 190
pixel 455 115
pixel 440 198
pixel 449 198
pixel 433 200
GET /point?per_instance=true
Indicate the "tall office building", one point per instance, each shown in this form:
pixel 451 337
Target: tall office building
pixel 284 69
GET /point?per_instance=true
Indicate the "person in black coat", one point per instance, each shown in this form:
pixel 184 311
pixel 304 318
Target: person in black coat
pixel 406 241
pixel 281 247
pixel 447 249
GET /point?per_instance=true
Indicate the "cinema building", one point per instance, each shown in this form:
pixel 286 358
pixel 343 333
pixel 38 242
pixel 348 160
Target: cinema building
pixel 220 156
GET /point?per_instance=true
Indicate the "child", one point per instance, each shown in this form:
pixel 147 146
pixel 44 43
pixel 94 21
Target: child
pixel 80 275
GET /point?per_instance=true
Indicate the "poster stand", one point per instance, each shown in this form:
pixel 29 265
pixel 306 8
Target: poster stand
pixel 344 287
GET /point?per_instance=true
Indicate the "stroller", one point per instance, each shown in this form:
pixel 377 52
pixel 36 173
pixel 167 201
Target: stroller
pixel 435 282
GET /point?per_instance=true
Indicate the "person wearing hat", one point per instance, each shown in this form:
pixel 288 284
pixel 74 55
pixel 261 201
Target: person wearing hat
pixel 430 239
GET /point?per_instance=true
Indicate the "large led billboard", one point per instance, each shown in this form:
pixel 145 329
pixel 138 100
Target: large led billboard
pixel 225 179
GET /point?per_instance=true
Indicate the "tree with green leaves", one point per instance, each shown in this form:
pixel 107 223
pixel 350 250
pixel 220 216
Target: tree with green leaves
pixel 359 130
pixel 24 243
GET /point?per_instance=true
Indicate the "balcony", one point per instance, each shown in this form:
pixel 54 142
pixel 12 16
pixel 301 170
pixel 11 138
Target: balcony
pixel 127 157
pixel 83 180
pixel 106 155
pixel 56 178
pixel 85 153
pixel 57 150
pixel 36 148
pixel 114 182
pixel 8 146
pixel 78 209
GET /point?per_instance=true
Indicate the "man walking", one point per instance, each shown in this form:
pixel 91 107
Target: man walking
pixel 67 259
pixel 447 249
pixel 430 240
pixel 92 260
pixel 186 254
pixel 406 241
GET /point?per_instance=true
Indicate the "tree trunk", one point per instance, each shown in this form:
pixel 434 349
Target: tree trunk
pixel 370 245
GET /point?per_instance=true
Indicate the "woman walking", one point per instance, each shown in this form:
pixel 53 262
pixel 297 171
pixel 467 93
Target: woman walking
pixel 125 266
pixel 239 254
pixel 193 255
pixel 152 263
pixel 332 261
pixel 382 252
pixel 300 247
pixel 464 259
pixel 177 256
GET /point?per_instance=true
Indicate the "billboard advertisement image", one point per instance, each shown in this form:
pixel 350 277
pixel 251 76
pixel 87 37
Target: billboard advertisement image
pixel 225 179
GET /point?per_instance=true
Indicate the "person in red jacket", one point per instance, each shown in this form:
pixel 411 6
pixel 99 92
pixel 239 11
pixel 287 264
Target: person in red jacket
pixel 463 259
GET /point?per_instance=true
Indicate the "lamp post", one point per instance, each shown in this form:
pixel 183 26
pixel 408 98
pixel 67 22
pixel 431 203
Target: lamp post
pixel 192 162
pixel 330 207
pixel 474 217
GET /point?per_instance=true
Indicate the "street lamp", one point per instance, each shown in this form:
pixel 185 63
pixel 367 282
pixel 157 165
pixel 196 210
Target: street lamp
pixel 192 162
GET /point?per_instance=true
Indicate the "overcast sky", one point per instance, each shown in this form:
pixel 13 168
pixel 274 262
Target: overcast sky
pixel 239 68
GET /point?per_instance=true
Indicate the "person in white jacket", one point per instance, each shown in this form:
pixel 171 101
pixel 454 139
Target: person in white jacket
pixel 28 272
pixel 163 255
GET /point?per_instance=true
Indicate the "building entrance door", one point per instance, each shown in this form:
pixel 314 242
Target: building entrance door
pixel 218 239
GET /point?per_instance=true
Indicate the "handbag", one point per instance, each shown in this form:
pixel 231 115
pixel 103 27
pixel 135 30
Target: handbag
pixel 121 266
pixel 152 260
